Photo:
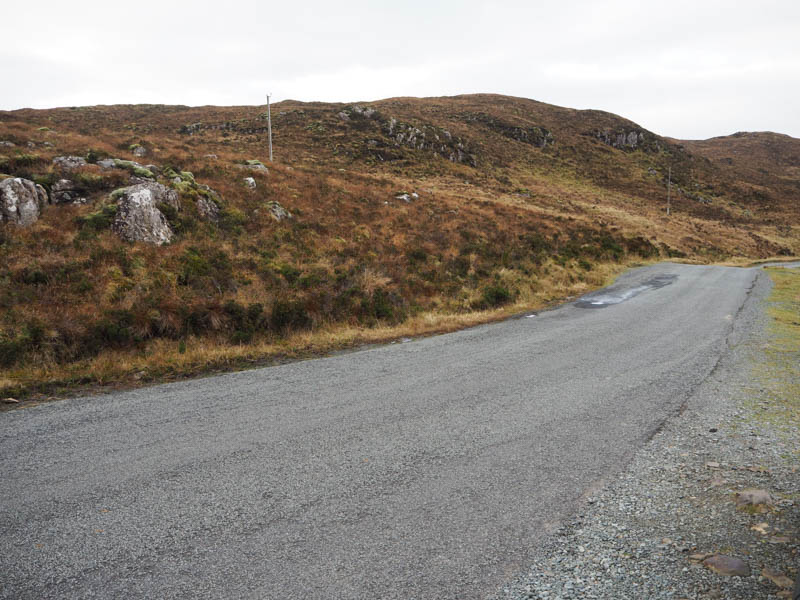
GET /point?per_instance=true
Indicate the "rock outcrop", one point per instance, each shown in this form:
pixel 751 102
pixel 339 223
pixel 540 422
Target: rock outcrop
pixel 628 139
pixel 69 163
pixel 138 218
pixel 535 136
pixel 64 191
pixel 21 201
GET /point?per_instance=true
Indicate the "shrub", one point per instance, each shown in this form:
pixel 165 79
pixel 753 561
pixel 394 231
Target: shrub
pixel 113 329
pixel 92 155
pixel 289 314
pixel 98 220
pixel 210 270
pixel 11 349
pixel 496 295
pixel 417 255
pixel 232 220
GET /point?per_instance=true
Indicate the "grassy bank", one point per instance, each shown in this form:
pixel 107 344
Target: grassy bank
pixel 778 374
pixel 163 360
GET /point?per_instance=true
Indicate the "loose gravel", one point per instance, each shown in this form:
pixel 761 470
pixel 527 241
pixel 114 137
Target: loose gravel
pixel 645 533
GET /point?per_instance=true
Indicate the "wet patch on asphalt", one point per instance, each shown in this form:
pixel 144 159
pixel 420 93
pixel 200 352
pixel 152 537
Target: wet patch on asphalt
pixel 620 293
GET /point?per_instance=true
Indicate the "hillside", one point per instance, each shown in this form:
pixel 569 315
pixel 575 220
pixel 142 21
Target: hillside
pixel 375 220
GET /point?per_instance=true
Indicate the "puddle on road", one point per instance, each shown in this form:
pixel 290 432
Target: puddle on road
pixel 616 294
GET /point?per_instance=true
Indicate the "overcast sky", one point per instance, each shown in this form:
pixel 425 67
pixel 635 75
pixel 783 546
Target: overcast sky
pixel 687 69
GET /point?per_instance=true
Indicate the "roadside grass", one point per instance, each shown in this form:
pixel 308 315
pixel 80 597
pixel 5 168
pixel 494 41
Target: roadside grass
pixel 162 360
pixel 778 373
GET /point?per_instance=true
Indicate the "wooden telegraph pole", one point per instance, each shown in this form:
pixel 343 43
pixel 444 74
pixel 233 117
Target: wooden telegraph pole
pixel 269 128
pixel 669 186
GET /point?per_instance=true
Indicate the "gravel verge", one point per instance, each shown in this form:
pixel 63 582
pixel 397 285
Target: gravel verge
pixel 648 531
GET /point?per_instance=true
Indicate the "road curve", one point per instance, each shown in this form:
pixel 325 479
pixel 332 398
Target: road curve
pixel 427 469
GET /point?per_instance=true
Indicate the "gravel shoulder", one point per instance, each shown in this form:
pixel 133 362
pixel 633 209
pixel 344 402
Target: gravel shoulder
pixel 648 531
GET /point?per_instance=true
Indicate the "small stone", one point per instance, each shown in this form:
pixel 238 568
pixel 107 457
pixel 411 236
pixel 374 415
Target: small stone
pixel 712 465
pixel 250 182
pixel 716 481
pixel 753 497
pixel 699 556
pixel 10 400
pixel 779 579
pixel 727 565
pixel 760 528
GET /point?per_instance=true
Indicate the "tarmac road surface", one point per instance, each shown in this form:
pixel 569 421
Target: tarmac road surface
pixel 427 469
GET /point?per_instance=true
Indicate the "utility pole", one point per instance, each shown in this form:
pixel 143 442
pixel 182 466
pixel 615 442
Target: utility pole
pixel 669 185
pixel 269 128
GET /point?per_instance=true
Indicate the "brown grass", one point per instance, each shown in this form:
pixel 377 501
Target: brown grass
pixel 355 265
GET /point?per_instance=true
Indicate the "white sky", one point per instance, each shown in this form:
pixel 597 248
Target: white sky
pixel 687 69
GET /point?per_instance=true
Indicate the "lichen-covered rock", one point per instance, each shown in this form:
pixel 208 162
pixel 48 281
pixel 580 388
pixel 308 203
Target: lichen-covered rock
pixel 207 208
pixel 106 163
pixel 254 165
pixel 138 218
pixel 278 212
pixel 21 201
pixel 139 151
pixel 69 163
pixel 65 192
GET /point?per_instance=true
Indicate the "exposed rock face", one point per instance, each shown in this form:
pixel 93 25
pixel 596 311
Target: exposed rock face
pixel 250 182
pixel 278 212
pixel 138 217
pixel 68 163
pixel 106 163
pixel 432 138
pixel 628 140
pixel 66 192
pixel 535 136
pixel 21 201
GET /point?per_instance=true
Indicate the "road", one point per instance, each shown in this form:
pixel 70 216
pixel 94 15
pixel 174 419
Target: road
pixel 426 469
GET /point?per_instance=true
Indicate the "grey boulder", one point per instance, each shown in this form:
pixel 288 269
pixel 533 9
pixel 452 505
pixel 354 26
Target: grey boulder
pixel 21 201
pixel 138 217
pixel 278 212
